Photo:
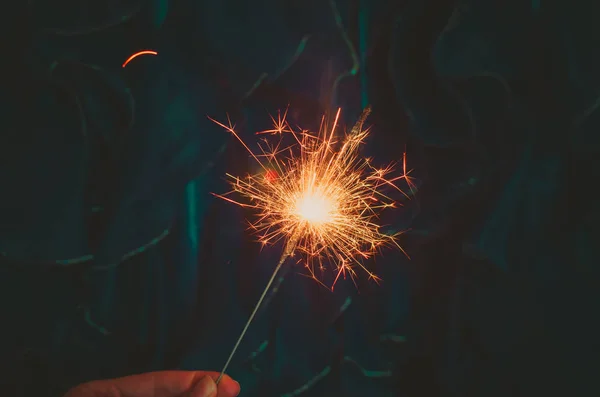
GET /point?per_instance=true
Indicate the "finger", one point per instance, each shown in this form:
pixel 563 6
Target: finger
pixel 205 387
pixel 153 384
pixel 227 387
pixel 157 384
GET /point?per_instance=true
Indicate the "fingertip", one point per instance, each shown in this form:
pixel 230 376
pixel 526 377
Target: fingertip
pixel 206 387
pixel 228 387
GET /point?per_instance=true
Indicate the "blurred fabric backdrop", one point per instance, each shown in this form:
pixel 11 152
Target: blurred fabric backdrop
pixel 116 259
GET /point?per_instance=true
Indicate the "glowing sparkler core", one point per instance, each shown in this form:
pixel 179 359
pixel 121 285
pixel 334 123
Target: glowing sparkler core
pixel 315 209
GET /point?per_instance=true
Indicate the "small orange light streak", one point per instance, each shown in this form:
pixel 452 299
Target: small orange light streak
pixel 137 54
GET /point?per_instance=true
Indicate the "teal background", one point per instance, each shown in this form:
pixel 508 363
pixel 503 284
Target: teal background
pixel 116 259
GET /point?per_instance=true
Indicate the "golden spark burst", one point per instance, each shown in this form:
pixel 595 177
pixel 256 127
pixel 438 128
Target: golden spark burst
pixel 319 195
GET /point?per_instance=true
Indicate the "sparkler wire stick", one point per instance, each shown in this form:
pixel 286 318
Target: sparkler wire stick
pixel 287 252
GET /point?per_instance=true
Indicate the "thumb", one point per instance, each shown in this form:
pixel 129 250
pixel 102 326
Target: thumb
pixel 205 387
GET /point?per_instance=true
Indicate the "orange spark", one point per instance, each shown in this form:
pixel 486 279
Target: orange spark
pixel 137 54
pixel 271 175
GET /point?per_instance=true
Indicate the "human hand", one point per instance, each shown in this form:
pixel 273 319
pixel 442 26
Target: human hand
pixel 160 384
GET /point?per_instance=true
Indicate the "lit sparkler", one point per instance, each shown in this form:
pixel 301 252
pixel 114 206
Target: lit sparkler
pixel 320 197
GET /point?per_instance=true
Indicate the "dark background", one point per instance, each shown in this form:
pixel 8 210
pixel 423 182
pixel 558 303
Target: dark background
pixel 115 258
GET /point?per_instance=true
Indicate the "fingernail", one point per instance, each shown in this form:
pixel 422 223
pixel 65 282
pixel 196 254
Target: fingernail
pixel 206 387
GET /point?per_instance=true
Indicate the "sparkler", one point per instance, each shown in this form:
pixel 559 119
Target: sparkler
pixel 320 197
